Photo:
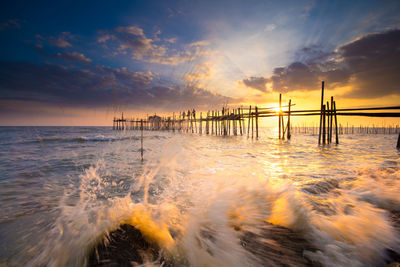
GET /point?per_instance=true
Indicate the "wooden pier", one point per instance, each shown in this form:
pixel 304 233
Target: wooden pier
pixel 232 121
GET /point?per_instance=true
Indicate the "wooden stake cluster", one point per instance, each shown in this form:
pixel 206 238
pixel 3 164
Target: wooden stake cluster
pixel 224 122
pixel 305 128
pixel 284 129
pixel 232 121
pixel 328 112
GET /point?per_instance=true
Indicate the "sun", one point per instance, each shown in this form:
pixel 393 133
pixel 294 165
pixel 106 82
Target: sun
pixel 278 110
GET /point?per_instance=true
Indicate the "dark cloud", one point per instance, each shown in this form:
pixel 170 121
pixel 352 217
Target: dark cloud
pixel 9 24
pixel 374 63
pixel 297 76
pixel 97 87
pixel 72 57
pixel 61 41
pixel 256 83
pixel 66 56
pixel 369 64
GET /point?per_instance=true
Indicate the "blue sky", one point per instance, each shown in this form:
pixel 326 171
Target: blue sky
pixel 68 58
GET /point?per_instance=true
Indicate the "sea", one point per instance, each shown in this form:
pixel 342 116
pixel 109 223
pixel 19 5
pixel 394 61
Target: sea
pixel 198 200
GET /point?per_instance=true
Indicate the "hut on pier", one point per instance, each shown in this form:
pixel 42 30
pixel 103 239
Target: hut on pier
pixel 155 122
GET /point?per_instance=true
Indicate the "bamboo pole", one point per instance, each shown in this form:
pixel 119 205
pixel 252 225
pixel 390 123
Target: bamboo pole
pixel 216 123
pixel 191 121
pixel 322 103
pixel 288 121
pixel 220 123
pixel 212 123
pixel 248 124
pixel 173 122
pixel 208 123
pixel 195 121
pixel 141 138
pixel 280 115
pixel 256 122
pixel 200 123
pixel 331 116
pixel 323 124
pixel 336 126
pixel 243 121
pixel 327 122
pixel 233 117
pixel 252 126
pixel 240 122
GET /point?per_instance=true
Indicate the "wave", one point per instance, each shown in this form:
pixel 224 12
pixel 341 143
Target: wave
pixel 99 138
pixel 225 216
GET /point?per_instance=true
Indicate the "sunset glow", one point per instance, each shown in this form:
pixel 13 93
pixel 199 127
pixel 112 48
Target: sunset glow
pixel 200 133
pixel 193 56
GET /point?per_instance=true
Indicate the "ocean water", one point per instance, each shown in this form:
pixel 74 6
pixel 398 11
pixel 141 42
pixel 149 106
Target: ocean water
pixel 203 200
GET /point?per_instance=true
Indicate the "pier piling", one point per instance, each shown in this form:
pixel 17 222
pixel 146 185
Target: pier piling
pixel 322 103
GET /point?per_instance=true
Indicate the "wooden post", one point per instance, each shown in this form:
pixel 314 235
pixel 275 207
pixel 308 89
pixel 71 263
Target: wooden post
pixel 336 126
pixel 288 121
pixel 192 122
pixel 222 123
pixel 200 123
pixel 252 126
pixel 256 122
pixel 212 122
pixel 195 121
pixel 141 138
pixel 224 120
pixel 398 142
pixel 323 124
pixel 234 122
pixel 331 123
pixel 320 121
pixel 327 122
pixel 242 118
pixel 248 124
pixel 280 114
pixel 173 121
pixel 240 122
pixel 207 122
pixel 217 124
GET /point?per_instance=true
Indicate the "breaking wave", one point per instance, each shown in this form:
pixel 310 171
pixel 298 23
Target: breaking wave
pixel 195 209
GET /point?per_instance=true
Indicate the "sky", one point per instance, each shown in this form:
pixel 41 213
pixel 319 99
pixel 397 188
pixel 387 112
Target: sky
pixel 84 62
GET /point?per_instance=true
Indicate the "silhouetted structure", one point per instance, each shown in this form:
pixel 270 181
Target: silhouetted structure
pixel 231 121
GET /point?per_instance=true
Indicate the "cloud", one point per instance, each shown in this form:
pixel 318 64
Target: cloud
pixel 369 64
pixel 269 27
pixel 67 56
pixel 11 23
pixel 198 73
pixel 171 40
pixel 98 86
pixel 295 77
pixel 61 41
pixel 256 83
pixel 133 40
pixel 373 61
pixel 72 57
